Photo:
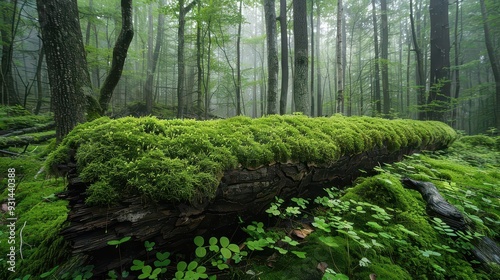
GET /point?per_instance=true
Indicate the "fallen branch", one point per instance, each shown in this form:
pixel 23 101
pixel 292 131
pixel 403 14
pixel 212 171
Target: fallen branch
pixel 23 140
pixel 45 127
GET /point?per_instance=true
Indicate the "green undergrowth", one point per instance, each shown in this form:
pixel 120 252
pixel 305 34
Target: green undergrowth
pixel 40 214
pixel 183 160
pixel 377 226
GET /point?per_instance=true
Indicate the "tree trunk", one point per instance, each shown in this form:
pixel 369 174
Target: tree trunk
pixel 284 57
pixel 68 75
pixel 384 30
pixel 495 67
pixel 8 91
pixel 39 91
pixel 119 55
pixel 300 91
pixel 319 99
pixel 311 22
pixel 238 60
pixel 272 56
pixel 420 81
pixel 377 97
pixel 340 68
pixel 153 61
pixel 439 95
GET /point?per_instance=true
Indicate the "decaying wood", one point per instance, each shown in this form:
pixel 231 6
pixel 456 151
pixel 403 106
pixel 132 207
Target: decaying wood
pixel 485 250
pixel 24 140
pixel 45 127
pixel 244 193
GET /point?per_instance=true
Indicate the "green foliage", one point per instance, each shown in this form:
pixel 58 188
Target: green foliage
pixel 183 160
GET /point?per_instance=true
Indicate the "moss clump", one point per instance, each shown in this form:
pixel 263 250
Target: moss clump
pixel 181 160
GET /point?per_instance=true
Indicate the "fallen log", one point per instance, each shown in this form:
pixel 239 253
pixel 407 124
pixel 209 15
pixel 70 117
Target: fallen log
pixel 23 140
pixel 40 128
pixel 485 250
pixel 242 190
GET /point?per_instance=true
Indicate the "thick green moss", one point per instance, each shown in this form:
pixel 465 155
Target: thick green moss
pixel 184 159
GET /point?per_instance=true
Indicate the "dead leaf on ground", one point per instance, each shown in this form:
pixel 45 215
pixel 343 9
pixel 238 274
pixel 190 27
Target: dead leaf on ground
pixel 303 232
pixel 322 266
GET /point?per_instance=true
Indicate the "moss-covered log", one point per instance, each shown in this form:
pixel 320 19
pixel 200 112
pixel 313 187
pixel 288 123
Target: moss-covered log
pixel 167 181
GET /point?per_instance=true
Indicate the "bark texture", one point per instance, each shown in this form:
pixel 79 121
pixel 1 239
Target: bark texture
pixel 119 55
pixel 272 56
pixel 485 250
pixel 244 193
pixel 300 91
pixel 67 66
pixel 439 95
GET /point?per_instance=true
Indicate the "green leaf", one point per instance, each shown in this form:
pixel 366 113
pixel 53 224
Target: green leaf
pixel 147 270
pixel 199 241
pixel 226 253
pixel 213 240
pixel 192 265
pixel 224 241
pixel 162 263
pixel 299 254
pixel 374 225
pixel 162 256
pixel 181 266
pixel 329 241
pixel 138 265
pixel 234 248
pixel 201 252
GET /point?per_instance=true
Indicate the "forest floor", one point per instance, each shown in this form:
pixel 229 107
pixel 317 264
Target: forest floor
pixel 374 227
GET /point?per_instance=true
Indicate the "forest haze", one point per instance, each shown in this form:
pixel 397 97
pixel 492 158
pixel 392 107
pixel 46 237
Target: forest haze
pixel 202 59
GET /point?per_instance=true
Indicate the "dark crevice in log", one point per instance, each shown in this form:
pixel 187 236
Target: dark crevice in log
pixel 485 250
pixel 242 193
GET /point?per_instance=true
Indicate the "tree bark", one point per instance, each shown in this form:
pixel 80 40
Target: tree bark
pixel 420 81
pixel 439 95
pixel 272 56
pixel 377 98
pixel 300 91
pixel 495 67
pixel 8 91
pixel 119 55
pixel 384 30
pixel 284 57
pixel 238 61
pixel 340 67
pixel 68 75
pixel 153 62
pixel 242 194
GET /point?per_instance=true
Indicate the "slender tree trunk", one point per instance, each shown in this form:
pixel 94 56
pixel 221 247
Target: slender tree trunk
pixel 180 60
pixel 495 67
pixel 8 91
pixel 153 61
pixel 456 73
pixel 300 92
pixel 272 56
pixel 384 30
pixel 422 114
pixel 319 99
pixel 340 68
pixel 39 91
pixel 199 65
pixel 284 57
pixel 376 90
pixel 311 22
pixel 439 95
pixel 238 59
pixel 66 63
pixel 119 55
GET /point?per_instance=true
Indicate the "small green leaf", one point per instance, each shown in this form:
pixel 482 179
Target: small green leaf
pixel 199 241
pixel 201 252
pixel 181 266
pixel 224 241
pixel 138 265
pixel 213 240
pixel 299 254
pixel 162 256
pixel 234 248
pixel 192 265
pixel 226 253
pixel 329 241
